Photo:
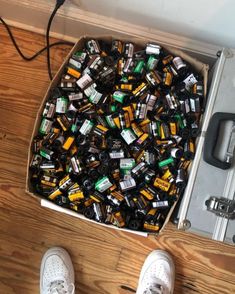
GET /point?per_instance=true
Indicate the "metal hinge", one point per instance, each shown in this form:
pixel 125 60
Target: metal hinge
pixel 221 207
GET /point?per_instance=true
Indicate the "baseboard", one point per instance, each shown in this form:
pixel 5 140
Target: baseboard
pixel 72 22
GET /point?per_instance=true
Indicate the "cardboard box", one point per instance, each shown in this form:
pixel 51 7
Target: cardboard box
pixel 196 64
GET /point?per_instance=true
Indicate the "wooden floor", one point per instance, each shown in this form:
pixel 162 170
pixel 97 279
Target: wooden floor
pixel 105 261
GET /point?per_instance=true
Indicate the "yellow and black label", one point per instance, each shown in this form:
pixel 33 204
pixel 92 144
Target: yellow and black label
pixel 88 202
pixel 136 129
pixel 185 164
pixel 162 184
pixel 143 138
pixel 54 194
pixel 162 142
pixel 56 130
pixel 152 212
pixel 118 46
pixel 156 77
pixel 144 122
pixel 95 198
pixel 102 129
pixel 191 146
pixel 129 109
pixel 147 194
pixel 117 121
pixel 151 227
pixel 118 217
pixel 173 190
pixel 64 125
pixel 167 79
pixel 73 72
pixel 126 87
pixel 173 128
pixel 127 119
pixel 76 196
pixel 85 107
pixel 120 66
pixel 74 186
pixel 73 150
pixel 100 111
pixel 48 183
pixel 103 143
pixel 117 195
pixel 139 88
pixel 69 141
pixel 167 59
pixel 65 179
pixel 167 174
pixel 74 207
pixel 140 156
pixel 194 89
pixel 134 105
pixel 164 131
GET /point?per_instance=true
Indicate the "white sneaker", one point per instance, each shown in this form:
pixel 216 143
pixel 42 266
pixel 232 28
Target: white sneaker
pixel 57 273
pixel 157 275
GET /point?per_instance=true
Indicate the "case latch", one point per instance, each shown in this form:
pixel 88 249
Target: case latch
pixel 221 207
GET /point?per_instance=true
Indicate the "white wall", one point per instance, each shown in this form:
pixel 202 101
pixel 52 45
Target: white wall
pixel 212 21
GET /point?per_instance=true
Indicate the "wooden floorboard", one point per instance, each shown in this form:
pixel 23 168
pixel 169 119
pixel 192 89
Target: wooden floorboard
pixel 106 261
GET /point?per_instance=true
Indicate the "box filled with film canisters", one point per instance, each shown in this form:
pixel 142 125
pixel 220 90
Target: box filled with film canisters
pixel 116 133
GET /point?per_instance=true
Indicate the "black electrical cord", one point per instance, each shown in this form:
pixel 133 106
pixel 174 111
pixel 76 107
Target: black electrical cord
pixel 59 3
pixel 47 47
pixel 57 6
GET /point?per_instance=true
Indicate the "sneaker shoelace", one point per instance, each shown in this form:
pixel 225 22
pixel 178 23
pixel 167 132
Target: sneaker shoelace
pixel 57 287
pixel 155 286
pixel 155 289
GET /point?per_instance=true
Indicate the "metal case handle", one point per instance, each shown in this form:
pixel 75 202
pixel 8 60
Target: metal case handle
pixel 211 139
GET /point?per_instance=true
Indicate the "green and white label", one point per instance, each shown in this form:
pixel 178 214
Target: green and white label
pixel 139 67
pixel 127 163
pixel 89 90
pixel 119 96
pixel 61 105
pixel 95 96
pixel 128 136
pixel 86 127
pixel 103 184
pixel 75 63
pixel 46 153
pixel 110 121
pixel 45 126
pixel 152 62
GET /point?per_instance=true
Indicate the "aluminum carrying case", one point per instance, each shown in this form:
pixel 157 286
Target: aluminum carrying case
pixel 208 205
